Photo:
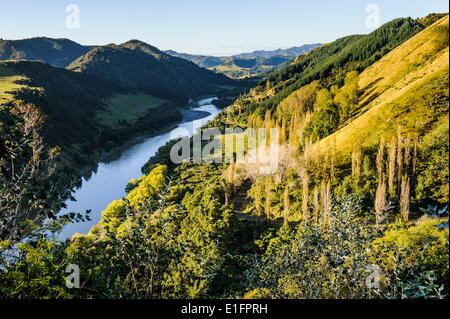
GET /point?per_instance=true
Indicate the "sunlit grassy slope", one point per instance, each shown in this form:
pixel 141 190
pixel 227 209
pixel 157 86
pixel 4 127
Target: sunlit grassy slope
pixel 232 70
pixel 8 83
pixel 407 88
pixel 236 72
pixel 127 108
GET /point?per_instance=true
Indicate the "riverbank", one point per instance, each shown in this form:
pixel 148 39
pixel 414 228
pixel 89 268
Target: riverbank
pixel 115 153
pixel 108 179
pixel 188 116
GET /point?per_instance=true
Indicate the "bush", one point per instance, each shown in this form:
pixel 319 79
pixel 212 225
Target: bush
pixel 433 177
pixel 316 261
pixel 409 254
pixel 323 123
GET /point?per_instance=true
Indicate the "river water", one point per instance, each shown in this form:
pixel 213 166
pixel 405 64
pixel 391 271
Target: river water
pixel 108 182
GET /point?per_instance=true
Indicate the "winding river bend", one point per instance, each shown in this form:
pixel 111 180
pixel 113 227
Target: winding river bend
pixel 108 182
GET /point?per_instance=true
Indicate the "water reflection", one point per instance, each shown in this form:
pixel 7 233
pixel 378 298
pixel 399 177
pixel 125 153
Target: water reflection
pixel 108 180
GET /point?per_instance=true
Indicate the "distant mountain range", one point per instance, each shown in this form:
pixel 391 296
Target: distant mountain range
pixel 290 52
pixel 62 52
pixel 247 64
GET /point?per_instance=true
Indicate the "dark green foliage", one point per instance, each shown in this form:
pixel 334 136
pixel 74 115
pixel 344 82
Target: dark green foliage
pixel 58 52
pixel 245 63
pixel 433 179
pixel 27 194
pixel 137 65
pixel 431 18
pixel 323 123
pixel 316 262
pixel 69 100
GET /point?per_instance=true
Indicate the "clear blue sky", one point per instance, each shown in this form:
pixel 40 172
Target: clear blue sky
pixel 216 27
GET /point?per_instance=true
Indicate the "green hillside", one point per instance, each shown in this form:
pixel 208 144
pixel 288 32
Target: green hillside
pixel 203 61
pixel 8 83
pixel 331 119
pixel 331 62
pixel 137 65
pixel 58 52
pixel 91 111
pixel 85 114
pixel 407 88
pixel 363 125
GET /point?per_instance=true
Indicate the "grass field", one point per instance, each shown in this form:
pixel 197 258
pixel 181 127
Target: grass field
pixel 7 83
pixel 127 108
pixel 232 71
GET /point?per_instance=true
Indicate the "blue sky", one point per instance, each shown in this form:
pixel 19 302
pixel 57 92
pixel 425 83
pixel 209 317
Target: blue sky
pixel 204 26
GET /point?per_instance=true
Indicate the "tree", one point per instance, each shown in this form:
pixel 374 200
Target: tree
pixel 325 119
pixel 316 262
pixel 347 96
pixel 27 195
pixel 32 261
pixel 433 172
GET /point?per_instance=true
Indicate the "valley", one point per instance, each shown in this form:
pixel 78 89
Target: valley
pixel 106 182
pixel 247 65
pixel 315 172
pixel 62 52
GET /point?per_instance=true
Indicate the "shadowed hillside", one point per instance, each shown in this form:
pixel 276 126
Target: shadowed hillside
pixel 58 52
pixel 137 65
pixel 85 114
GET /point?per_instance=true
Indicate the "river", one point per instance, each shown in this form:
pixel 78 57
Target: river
pixel 108 182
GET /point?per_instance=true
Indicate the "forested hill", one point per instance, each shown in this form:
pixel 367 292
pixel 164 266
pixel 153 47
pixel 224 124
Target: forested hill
pixel 344 102
pixel 107 96
pixel 204 61
pixel 70 100
pixel 331 62
pixel 58 52
pixel 138 65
